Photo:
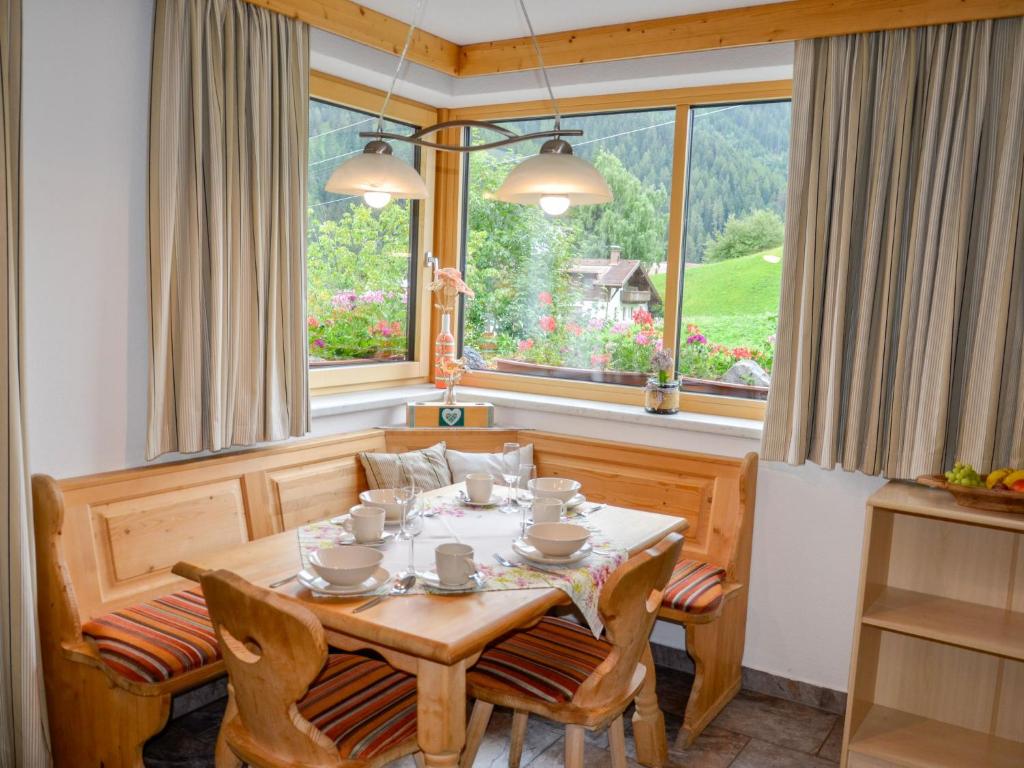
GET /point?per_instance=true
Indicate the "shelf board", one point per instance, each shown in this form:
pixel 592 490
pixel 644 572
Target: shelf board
pixel 954 622
pixel 930 502
pixel 890 736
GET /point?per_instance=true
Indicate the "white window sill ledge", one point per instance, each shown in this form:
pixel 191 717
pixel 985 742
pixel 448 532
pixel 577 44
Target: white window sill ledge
pixel 355 402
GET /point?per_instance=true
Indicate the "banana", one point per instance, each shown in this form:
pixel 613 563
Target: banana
pixel 1014 477
pixel 996 476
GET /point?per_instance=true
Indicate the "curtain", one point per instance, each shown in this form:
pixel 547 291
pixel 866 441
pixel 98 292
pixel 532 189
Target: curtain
pixel 229 117
pixel 902 309
pixel 22 724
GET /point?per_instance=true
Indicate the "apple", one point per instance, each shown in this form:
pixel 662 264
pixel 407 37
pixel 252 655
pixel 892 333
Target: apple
pixel 1018 486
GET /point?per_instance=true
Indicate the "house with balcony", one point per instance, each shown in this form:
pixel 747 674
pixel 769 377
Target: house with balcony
pixel 614 288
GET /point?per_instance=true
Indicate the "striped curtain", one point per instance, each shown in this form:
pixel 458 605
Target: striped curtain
pixel 22 723
pixel 229 115
pixel 902 311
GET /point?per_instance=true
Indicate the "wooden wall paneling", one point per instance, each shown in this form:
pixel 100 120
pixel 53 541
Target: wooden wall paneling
pixel 300 495
pixel 1009 708
pixel 487 440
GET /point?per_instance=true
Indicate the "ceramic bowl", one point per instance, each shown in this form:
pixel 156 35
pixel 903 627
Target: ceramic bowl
pixel 557 539
pixel 561 488
pixel 385 499
pixel 345 566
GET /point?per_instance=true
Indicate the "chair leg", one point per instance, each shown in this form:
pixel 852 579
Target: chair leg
pixel 475 731
pixel 421 761
pixel 515 750
pixel 574 746
pixel 717 652
pixel 617 742
pixel 223 756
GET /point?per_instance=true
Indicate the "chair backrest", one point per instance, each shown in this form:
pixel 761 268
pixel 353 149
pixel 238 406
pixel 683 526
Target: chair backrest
pixel 629 605
pixel 273 649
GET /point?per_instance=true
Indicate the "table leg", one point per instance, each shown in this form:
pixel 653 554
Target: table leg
pixel 441 712
pixel 648 721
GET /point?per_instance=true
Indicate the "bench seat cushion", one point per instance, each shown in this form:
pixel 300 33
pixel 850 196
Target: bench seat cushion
pixel 695 587
pixel 364 705
pixel 154 641
pixel 548 662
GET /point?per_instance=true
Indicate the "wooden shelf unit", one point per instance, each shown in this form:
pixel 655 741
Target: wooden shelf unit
pixel 937 674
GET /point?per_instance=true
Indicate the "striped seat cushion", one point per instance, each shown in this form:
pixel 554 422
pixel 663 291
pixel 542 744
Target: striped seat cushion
pixel 695 587
pixel 154 641
pixel 548 662
pixel 364 705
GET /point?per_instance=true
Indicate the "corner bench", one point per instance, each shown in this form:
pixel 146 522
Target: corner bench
pixel 106 544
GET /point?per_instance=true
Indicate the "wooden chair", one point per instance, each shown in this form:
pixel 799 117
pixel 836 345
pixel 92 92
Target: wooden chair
pixel 557 668
pixel 290 703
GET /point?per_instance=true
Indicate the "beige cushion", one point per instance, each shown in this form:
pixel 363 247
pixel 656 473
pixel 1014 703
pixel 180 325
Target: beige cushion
pixel 428 466
pixel 462 463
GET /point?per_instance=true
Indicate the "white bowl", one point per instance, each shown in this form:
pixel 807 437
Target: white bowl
pixel 345 566
pixel 386 499
pixel 561 488
pixel 557 539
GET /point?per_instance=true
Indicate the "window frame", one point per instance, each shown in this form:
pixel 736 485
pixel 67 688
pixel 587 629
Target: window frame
pixel 370 375
pixel 451 217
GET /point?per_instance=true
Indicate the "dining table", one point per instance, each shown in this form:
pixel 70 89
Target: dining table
pixel 438 636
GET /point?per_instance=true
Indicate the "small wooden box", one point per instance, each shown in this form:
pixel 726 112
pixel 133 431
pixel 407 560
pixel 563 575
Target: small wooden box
pixel 457 415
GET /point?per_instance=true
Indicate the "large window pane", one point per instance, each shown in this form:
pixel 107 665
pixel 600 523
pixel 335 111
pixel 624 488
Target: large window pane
pixel 359 260
pixel 735 208
pixel 581 295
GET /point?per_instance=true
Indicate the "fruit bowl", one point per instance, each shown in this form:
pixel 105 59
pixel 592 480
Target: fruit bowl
pixel 978 498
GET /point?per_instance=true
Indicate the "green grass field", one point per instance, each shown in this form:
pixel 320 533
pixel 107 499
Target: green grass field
pixel 734 302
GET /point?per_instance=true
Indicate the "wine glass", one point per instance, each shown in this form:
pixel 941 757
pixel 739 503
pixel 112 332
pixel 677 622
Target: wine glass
pixel 524 494
pixel 412 522
pixel 510 471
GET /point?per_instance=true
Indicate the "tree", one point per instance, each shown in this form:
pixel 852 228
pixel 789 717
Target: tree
pixel 757 231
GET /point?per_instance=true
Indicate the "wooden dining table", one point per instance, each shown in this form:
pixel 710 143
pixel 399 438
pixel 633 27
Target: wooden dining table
pixel 438 637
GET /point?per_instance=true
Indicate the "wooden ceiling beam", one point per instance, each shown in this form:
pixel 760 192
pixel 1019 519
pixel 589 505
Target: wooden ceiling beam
pixel 366 26
pixel 752 25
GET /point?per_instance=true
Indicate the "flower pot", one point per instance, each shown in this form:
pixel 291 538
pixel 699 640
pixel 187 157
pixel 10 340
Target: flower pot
pixel 661 398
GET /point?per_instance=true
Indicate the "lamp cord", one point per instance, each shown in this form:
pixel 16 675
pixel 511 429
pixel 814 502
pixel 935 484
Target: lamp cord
pixel 543 69
pixel 417 18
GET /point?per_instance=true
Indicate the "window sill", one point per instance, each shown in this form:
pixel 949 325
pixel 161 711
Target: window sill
pixel 356 402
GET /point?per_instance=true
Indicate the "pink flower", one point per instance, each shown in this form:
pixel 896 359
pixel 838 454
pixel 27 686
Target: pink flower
pixel 643 339
pixel 696 338
pixel 597 323
pixel 599 361
pixel 544 298
pixel 319 343
pixel 620 327
pixel 574 329
pixel 525 344
pixel 547 323
pixel 344 300
pixel 372 297
pixel 312 322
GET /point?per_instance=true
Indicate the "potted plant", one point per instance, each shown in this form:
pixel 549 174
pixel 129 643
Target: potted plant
pixel 662 392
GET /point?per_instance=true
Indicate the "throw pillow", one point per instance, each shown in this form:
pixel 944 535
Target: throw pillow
pixel 462 463
pixel 428 466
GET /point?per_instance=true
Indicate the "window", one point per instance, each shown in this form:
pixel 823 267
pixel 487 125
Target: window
pixel 360 261
pixel 735 208
pixel 580 296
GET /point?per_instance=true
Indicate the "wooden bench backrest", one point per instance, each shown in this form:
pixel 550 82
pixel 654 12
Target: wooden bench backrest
pixel 714 493
pixel 114 537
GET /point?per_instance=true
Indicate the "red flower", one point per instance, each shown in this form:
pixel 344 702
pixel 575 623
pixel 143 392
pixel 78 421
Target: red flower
pixel 642 317
pixel 742 353
pixel 544 298
pixel 312 322
pixel 574 329
pixel 547 323
pixel 525 344
pixel 599 361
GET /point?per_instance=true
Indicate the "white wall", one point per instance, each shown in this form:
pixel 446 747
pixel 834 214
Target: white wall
pixel 86 111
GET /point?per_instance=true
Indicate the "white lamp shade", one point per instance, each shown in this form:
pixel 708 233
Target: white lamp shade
pixel 554 174
pixel 377 172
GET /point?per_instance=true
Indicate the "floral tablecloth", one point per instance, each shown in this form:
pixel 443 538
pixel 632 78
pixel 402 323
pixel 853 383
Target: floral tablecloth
pixel 488 531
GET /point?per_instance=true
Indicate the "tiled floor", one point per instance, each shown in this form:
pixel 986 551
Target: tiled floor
pixel 754 731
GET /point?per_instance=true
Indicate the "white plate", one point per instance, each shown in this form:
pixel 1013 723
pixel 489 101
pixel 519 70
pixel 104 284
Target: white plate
pixel 311 581
pixel 340 522
pixel 534 555
pixel 466 501
pixel 433 581
pixel 575 501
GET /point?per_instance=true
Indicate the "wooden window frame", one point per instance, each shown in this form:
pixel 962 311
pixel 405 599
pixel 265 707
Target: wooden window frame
pixel 450 217
pixel 362 376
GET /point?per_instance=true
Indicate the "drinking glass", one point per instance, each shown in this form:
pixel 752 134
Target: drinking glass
pixel 412 522
pixel 510 471
pixel 524 495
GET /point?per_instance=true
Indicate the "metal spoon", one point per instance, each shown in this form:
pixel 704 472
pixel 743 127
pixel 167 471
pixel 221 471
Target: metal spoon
pixel 509 564
pixel 282 582
pixel 400 587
